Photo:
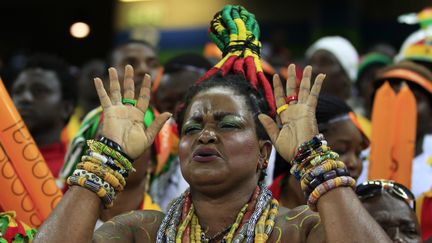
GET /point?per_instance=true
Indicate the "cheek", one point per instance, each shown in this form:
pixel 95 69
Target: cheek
pixel 243 145
pixel 185 148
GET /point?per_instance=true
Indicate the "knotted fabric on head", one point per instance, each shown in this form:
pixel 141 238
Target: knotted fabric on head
pixel 236 32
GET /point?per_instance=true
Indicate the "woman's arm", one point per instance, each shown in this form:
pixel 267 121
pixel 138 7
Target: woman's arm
pixel 74 219
pixel 344 219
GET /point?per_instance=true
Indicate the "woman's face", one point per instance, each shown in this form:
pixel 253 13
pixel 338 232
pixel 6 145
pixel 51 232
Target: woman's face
pixel 337 81
pixel 219 149
pixel 345 139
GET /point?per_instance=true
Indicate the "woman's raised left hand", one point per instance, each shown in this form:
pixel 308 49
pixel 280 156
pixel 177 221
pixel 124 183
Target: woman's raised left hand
pixel 124 122
pixel 298 117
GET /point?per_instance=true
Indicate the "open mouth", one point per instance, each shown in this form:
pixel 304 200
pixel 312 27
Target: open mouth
pixel 205 155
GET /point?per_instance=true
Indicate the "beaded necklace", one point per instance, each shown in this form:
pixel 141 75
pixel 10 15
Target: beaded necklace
pixel 254 222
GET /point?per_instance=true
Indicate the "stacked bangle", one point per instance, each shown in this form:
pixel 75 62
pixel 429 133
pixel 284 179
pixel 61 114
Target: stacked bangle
pixel 318 170
pixel 92 186
pixel 110 143
pixel 102 173
pixel 327 186
pixel 93 160
pixel 104 149
pixel 102 170
pixel 91 176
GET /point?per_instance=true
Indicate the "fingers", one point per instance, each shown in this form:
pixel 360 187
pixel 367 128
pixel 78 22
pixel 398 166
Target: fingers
pixel 103 96
pixel 128 83
pixel 156 125
pixel 114 86
pixel 312 100
pixel 291 86
pixel 270 126
pixel 305 85
pixel 279 95
pixel 144 95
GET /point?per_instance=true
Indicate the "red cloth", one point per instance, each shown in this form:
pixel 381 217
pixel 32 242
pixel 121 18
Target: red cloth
pixel 426 218
pixel 54 156
pixel 275 187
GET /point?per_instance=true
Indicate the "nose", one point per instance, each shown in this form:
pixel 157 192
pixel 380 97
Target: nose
pixel 397 236
pixel 25 97
pixel 142 68
pixel 207 136
pixel 353 162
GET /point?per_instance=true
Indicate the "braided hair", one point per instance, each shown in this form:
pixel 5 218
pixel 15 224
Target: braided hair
pixel 235 31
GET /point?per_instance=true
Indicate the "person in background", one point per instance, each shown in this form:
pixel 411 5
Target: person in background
pixel 45 96
pixel 344 135
pixel 338 59
pixel 180 73
pixel 87 100
pixel 392 205
pixel 407 99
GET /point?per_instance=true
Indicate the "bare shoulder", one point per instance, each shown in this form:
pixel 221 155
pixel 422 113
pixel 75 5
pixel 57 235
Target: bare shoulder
pixel 297 225
pixel 134 226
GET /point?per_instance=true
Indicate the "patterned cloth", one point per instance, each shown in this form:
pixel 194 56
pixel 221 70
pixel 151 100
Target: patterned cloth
pixel 13 231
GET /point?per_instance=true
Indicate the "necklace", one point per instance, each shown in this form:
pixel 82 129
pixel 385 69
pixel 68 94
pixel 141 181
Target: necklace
pixel 254 222
pixel 207 239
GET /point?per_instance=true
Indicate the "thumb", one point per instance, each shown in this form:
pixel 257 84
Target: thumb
pixel 156 125
pixel 270 126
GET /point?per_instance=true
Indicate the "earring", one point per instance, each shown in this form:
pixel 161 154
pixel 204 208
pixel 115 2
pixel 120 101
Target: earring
pixel 265 164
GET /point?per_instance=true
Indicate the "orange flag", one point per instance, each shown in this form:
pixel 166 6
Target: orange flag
pixel 404 142
pixel 380 160
pixel 26 159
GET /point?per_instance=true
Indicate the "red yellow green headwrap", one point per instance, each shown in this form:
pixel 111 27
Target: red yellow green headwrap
pixel 236 32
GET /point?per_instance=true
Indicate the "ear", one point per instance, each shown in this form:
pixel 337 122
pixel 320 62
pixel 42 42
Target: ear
pixel 265 148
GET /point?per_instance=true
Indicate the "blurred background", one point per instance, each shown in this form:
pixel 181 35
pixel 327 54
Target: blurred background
pixel 178 26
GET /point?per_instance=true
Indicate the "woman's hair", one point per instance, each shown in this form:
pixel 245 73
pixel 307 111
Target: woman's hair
pixel 254 98
pixel 328 109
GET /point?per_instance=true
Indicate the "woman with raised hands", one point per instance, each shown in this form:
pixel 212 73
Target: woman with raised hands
pixel 227 130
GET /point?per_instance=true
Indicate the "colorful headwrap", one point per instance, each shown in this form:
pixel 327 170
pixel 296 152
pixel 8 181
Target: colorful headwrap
pixel 394 122
pixel 236 32
pixel 418 46
pixel 342 49
pixel 165 144
pixel 371 59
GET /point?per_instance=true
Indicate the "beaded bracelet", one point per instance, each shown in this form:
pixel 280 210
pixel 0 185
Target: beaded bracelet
pixel 92 186
pixel 319 170
pixel 319 191
pixel 108 161
pixel 310 186
pixel 103 174
pixel 316 157
pixel 110 143
pixel 102 148
pixel 307 147
pixel 87 158
pixel 91 176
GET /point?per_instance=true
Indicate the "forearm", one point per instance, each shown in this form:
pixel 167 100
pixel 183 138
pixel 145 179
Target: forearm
pixel 73 220
pixel 345 219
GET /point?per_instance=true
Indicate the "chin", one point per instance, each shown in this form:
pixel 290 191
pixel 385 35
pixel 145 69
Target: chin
pixel 205 177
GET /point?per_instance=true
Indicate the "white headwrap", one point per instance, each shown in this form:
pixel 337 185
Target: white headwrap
pixel 342 49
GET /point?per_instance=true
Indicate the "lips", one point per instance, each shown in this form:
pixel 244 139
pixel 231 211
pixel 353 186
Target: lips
pixel 205 155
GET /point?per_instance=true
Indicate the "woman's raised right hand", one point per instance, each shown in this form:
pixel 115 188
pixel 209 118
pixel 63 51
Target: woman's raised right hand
pixel 124 123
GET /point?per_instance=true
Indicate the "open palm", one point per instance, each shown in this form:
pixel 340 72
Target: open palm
pixel 124 123
pixel 298 120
